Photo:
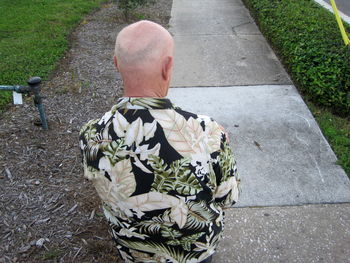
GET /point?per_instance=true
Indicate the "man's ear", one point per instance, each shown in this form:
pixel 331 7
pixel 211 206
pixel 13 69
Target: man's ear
pixel 167 68
pixel 116 62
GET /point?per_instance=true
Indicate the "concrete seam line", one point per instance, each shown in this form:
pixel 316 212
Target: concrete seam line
pixel 233 86
pixel 329 8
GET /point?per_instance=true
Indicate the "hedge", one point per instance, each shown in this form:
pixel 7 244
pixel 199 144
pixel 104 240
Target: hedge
pixel 307 39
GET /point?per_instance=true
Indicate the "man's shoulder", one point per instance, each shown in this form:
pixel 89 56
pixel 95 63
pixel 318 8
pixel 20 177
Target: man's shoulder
pixel 207 120
pixel 95 123
pixel 208 124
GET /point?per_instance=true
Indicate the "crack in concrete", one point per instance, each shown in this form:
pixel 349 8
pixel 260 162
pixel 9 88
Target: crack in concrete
pixel 242 24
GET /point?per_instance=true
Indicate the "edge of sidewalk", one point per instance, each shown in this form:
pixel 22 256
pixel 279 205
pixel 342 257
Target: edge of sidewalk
pixel 330 9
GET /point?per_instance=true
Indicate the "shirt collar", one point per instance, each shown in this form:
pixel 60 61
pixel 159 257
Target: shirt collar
pixel 137 103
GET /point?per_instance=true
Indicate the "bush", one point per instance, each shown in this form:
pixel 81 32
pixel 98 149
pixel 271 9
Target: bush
pixel 128 5
pixel 308 40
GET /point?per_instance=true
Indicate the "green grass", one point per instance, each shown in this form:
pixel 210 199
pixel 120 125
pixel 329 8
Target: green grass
pixel 34 36
pixel 51 254
pixel 337 132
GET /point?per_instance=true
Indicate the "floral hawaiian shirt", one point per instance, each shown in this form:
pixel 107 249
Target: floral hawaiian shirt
pixel 164 175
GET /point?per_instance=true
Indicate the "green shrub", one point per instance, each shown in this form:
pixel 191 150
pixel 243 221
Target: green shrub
pixel 308 40
pixel 337 132
pixel 128 5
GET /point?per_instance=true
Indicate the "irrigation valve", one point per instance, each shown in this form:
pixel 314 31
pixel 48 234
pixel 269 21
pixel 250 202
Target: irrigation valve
pixel 32 89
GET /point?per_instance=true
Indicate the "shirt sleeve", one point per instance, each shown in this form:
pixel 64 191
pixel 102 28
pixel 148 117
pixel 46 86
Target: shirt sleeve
pixel 86 134
pixel 227 191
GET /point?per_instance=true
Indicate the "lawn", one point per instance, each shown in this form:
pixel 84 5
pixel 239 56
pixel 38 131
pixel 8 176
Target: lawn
pixel 34 36
pixel 337 131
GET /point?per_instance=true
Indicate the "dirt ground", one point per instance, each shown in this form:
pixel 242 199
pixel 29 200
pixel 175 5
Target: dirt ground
pixel 48 211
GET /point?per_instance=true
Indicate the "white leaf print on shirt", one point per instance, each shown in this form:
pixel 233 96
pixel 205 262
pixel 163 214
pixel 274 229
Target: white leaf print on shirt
pixel 179 213
pixel 105 164
pixel 196 134
pixel 138 163
pixel 144 152
pixel 123 182
pixel 149 129
pixel 120 124
pixel 105 118
pixel 130 233
pixel 134 133
pixel 154 201
pixel 213 133
pixel 176 131
pixel 225 187
pixel 201 163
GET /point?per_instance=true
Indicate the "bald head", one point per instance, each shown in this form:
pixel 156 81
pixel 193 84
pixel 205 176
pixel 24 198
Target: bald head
pixel 144 57
pixel 141 43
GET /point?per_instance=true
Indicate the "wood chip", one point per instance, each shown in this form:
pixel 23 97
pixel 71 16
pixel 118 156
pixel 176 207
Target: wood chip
pixel 24 249
pixel 42 221
pixel 72 209
pixel 37 182
pixel 76 254
pixel 40 242
pixel 92 214
pixel 8 174
pixel 58 208
pixel 8 234
pixel 5 222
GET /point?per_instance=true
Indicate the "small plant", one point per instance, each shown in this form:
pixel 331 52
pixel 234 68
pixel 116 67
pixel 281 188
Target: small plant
pixel 140 16
pixel 128 5
pixel 51 254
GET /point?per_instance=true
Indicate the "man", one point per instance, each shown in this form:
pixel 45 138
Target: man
pixel 163 174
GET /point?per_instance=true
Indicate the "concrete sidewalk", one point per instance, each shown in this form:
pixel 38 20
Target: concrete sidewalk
pixel 313 233
pixel 218 44
pixel 224 68
pixel 283 158
pixel 342 5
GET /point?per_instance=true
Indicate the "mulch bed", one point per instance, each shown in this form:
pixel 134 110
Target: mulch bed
pixel 48 211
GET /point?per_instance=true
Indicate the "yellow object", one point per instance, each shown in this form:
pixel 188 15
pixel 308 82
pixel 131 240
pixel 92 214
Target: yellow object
pixel 340 23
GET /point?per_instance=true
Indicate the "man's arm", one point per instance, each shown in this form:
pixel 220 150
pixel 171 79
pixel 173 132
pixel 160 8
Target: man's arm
pixel 225 169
